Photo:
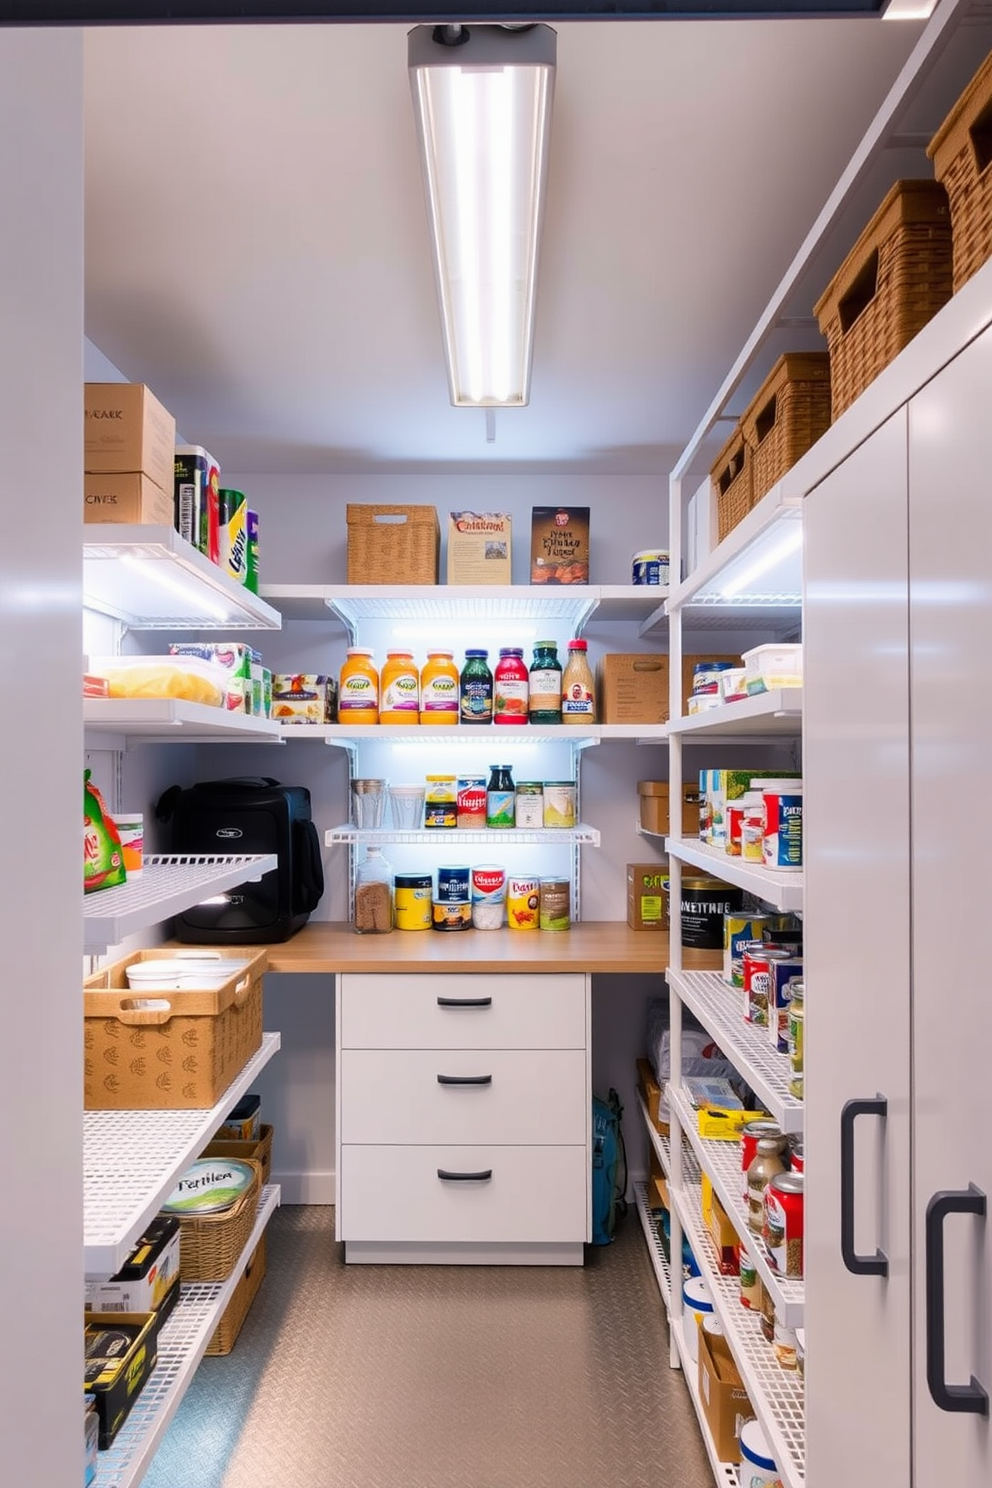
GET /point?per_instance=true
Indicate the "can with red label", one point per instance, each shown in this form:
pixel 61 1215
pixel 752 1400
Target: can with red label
pixel 488 896
pixel 750 1135
pixel 470 802
pixel 757 981
pixel 782 1230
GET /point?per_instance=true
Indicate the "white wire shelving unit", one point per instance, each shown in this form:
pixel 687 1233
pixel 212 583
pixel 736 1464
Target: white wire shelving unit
pixel 767 715
pixel 132 1159
pixel 348 736
pixel 181 1346
pixel 580 836
pixel 783 889
pixel 116 723
pixel 169 883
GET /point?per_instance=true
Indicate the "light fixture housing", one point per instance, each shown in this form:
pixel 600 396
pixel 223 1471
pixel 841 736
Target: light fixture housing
pixel 482 99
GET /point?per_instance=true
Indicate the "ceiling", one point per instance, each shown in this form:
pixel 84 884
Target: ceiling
pixel 256 243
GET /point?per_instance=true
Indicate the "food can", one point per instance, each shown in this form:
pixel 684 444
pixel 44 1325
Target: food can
pixel 750 1284
pixel 757 980
pixel 559 803
pixel 441 801
pixel 523 902
pixel 453 885
pixel 785 970
pixel 753 833
pixel 488 896
pixel 749 1145
pixel 796 1011
pixel 738 931
pixel 705 901
pixel 412 901
pixel 706 676
pixel 528 806
pixel 650 566
pixel 470 802
pixel 784 1344
pixel 782 844
pixel 555 903
pixel 782 1230
pixel 797 1156
pixel 451 914
pixel 767 1315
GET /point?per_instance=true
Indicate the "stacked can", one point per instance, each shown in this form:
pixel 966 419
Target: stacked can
pixel 452 908
pixel 488 896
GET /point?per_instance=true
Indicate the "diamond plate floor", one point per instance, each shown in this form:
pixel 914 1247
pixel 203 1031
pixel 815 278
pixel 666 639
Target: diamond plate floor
pixel 439 1377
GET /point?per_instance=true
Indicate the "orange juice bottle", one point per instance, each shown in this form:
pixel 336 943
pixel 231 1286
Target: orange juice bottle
pixel 399 694
pixel 439 688
pixel 358 687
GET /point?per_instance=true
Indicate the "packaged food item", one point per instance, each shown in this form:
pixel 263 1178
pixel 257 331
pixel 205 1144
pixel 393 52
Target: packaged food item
pixel 251 560
pixel 770 667
pixel 764 1166
pixel 94 686
pixel 523 901
pixel 706 677
pixel 782 843
pixel 439 697
pixel 131 831
pixel 510 687
pixel 544 684
pixel 739 930
pixel 528 810
pixel 121 1350
pixel 234 659
pixel 243 1124
pixel 796 1012
pixel 412 901
pixel 399 689
pixel 471 802
pixel 650 566
pixel 448 914
pixel 210 1185
pixel 786 970
pixel 559 804
pixel 559 545
pixel 479 547
pixel 735 813
pixel 475 689
pixel 233 533
pixel 190 678
pixel 358 687
pixel 783 1229
pixel 103 857
pixel 705 901
pixel 750 1136
pixel 441 801
pixel 197 496
pixel 500 797
pixel 578 687
pixel 304 698
pixel 453 884
pixel 488 896
pixel 555 903
pixel 373 894
pixel 149 1279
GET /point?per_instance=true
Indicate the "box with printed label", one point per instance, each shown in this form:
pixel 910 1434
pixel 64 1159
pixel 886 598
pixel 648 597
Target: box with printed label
pixel 479 548
pixel 559 545
pixel 653 799
pixel 726 1405
pixel 633 687
pixel 125 428
pixel 304 697
pixel 721 786
pixel 126 497
pixel 149 1279
pixel 647 885
pixel 116 1384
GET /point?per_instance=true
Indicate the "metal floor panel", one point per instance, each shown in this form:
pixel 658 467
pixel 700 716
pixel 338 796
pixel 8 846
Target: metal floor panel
pixel 439 1377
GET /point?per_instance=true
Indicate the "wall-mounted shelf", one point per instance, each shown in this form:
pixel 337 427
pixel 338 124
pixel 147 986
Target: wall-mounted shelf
pixel 116 723
pixel 453 838
pixel 132 1159
pixel 346 736
pixel 169 884
pixel 153 579
pixel 783 890
pixel 768 715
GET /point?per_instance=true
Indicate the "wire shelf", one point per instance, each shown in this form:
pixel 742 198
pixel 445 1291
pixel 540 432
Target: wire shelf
pixel 170 883
pixel 582 835
pixel 783 889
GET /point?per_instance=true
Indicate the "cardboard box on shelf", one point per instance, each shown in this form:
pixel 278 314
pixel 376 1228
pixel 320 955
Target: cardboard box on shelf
pixel 647 885
pixel 654 804
pixel 651 1095
pixel 116 1390
pixel 559 545
pixel 126 428
pixel 725 1238
pixel 149 1279
pixel 726 1405
pixel 479 547
pixel 126 496
pixel 633 687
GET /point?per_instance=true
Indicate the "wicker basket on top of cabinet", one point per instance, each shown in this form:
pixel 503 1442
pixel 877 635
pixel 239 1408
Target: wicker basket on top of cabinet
pixel 787 416
pixel 732 485
pixel 893 281
pixel 961 152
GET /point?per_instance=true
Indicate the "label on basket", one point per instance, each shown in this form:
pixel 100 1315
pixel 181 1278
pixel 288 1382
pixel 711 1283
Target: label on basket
pixel 209 1186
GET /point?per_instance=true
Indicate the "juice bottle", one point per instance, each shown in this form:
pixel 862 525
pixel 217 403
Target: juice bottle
pixel 358 687
pixel 476 688
pixel 544 691
pixel 399 700
pixel 510 687
pixel 439 688
pixel 578 692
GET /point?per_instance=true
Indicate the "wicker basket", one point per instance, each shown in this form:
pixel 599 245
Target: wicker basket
pixel 226 1332
pixel 961 152
pixel 896 277
pixel 180 1056
pixel 731 477
pixel 260 1150
pixel 786 417
pixel 210 1244
pixel 393 545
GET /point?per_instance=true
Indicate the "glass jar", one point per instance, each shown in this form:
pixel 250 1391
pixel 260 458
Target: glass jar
pixel 796 1023
pixel 475 689
pixel 358 687
pixel 544 684
pixel 439 689
pixel 578 690
pixel 765 1165
pixel 500 797
pixel 399 700
pixel 510 687
pixel 373 895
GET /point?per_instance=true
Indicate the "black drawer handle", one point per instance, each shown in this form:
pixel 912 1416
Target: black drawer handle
pixel 858 1265
pixel 464 1002
pixel 448 1177
pixel 971 1397
pixel 464 1079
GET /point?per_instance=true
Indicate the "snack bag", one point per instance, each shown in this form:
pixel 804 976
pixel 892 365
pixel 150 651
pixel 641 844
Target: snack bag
pixel 103 856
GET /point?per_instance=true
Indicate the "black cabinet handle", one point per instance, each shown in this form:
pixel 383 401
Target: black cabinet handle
pixel 858 1265
pixel 971 1397
pixel 464 1079
pixel 449 1177
pixel 464 1002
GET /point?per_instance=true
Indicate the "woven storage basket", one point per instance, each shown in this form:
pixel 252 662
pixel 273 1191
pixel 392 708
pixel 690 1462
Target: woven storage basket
pixel 179 1056
pixel 260 1150
pixel 210 1244
pixel 787 417
pixel 896 277
pixel 226 1332
pixel 393 544
pixel 961 152
pixel 731 477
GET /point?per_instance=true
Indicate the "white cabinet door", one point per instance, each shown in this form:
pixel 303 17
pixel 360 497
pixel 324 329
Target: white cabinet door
pixel 951 660
pixel 857 937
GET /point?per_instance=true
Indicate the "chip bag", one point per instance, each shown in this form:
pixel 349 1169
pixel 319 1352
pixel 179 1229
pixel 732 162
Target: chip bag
pixel 103 856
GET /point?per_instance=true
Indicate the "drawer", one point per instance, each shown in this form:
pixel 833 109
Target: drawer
pixel 533 1096
pixel 463 1012
pixel 533 1194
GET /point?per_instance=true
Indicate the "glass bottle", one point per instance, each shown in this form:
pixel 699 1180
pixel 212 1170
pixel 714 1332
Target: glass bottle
pixel 765 1164
pixel 510 691
pixel 500 797
pixel 578 690
pixel 476 689
pixel 373 894
pixel 544 684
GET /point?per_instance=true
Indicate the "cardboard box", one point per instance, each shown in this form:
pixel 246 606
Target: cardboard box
pixel 125 428
pixel 653 797
pixel 721 786
pixel 305 697
pixel 725 1401
pixel 632 687
pixel 647 885
pixel 479 547
pixel 115 1397
pixel 131 498
pixel 726 1240
pixel 651 1095
pixel 149 1279
pixel 559 545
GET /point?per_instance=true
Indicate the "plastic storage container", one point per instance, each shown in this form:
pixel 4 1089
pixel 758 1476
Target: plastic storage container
pixel 769 667
pixel 373 895
pixel 697 1306
pixel 758 1469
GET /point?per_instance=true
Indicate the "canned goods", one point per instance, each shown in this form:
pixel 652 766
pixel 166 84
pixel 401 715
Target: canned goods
pixel 452 915
pixel 738 931
pixel 650 566
pixel 767 1314
pixel 523 901
pixel 753 833
pixel 796 1011
pixel 441 801
pixel 797 1157
pixel 488 896
pixel 528 813
pixel 750 1283
pixel 412 901
pixel 705 902
pixel 757 980
pixel 782 844
pixel 706 676
pixel 764 1166
pixel 453 885
pixel 786 970
pixel 782 1230
pixel 470 802
pixel 559 803
pixel 555 903
pixel 749 1145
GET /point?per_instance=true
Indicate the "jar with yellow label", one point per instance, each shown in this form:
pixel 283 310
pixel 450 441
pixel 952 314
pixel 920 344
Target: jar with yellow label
pixel 399 693
pixel 439 701
pixel 412 896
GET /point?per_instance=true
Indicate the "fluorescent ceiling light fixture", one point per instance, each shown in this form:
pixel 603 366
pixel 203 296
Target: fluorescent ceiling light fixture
pixel 909 10
pixel 482 99
pixel 769 559
pixel 152 568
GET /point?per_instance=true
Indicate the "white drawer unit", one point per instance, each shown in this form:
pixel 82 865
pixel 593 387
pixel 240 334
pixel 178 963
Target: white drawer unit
pixel 464 1118
pixel 512 1096
pixel 417 1011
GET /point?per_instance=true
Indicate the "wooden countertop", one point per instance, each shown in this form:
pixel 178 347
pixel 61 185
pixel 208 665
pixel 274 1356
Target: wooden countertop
pixel 596 946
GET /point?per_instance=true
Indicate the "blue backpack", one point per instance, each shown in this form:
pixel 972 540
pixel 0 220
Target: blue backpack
pixel 609 1167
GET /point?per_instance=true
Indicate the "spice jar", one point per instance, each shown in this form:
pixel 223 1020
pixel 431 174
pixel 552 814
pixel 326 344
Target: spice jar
pixel 764 1166
pixel 373 895
pixel 578 691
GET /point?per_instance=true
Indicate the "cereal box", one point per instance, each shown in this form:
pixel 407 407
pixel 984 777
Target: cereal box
pixel 479 547
pixel 559 545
